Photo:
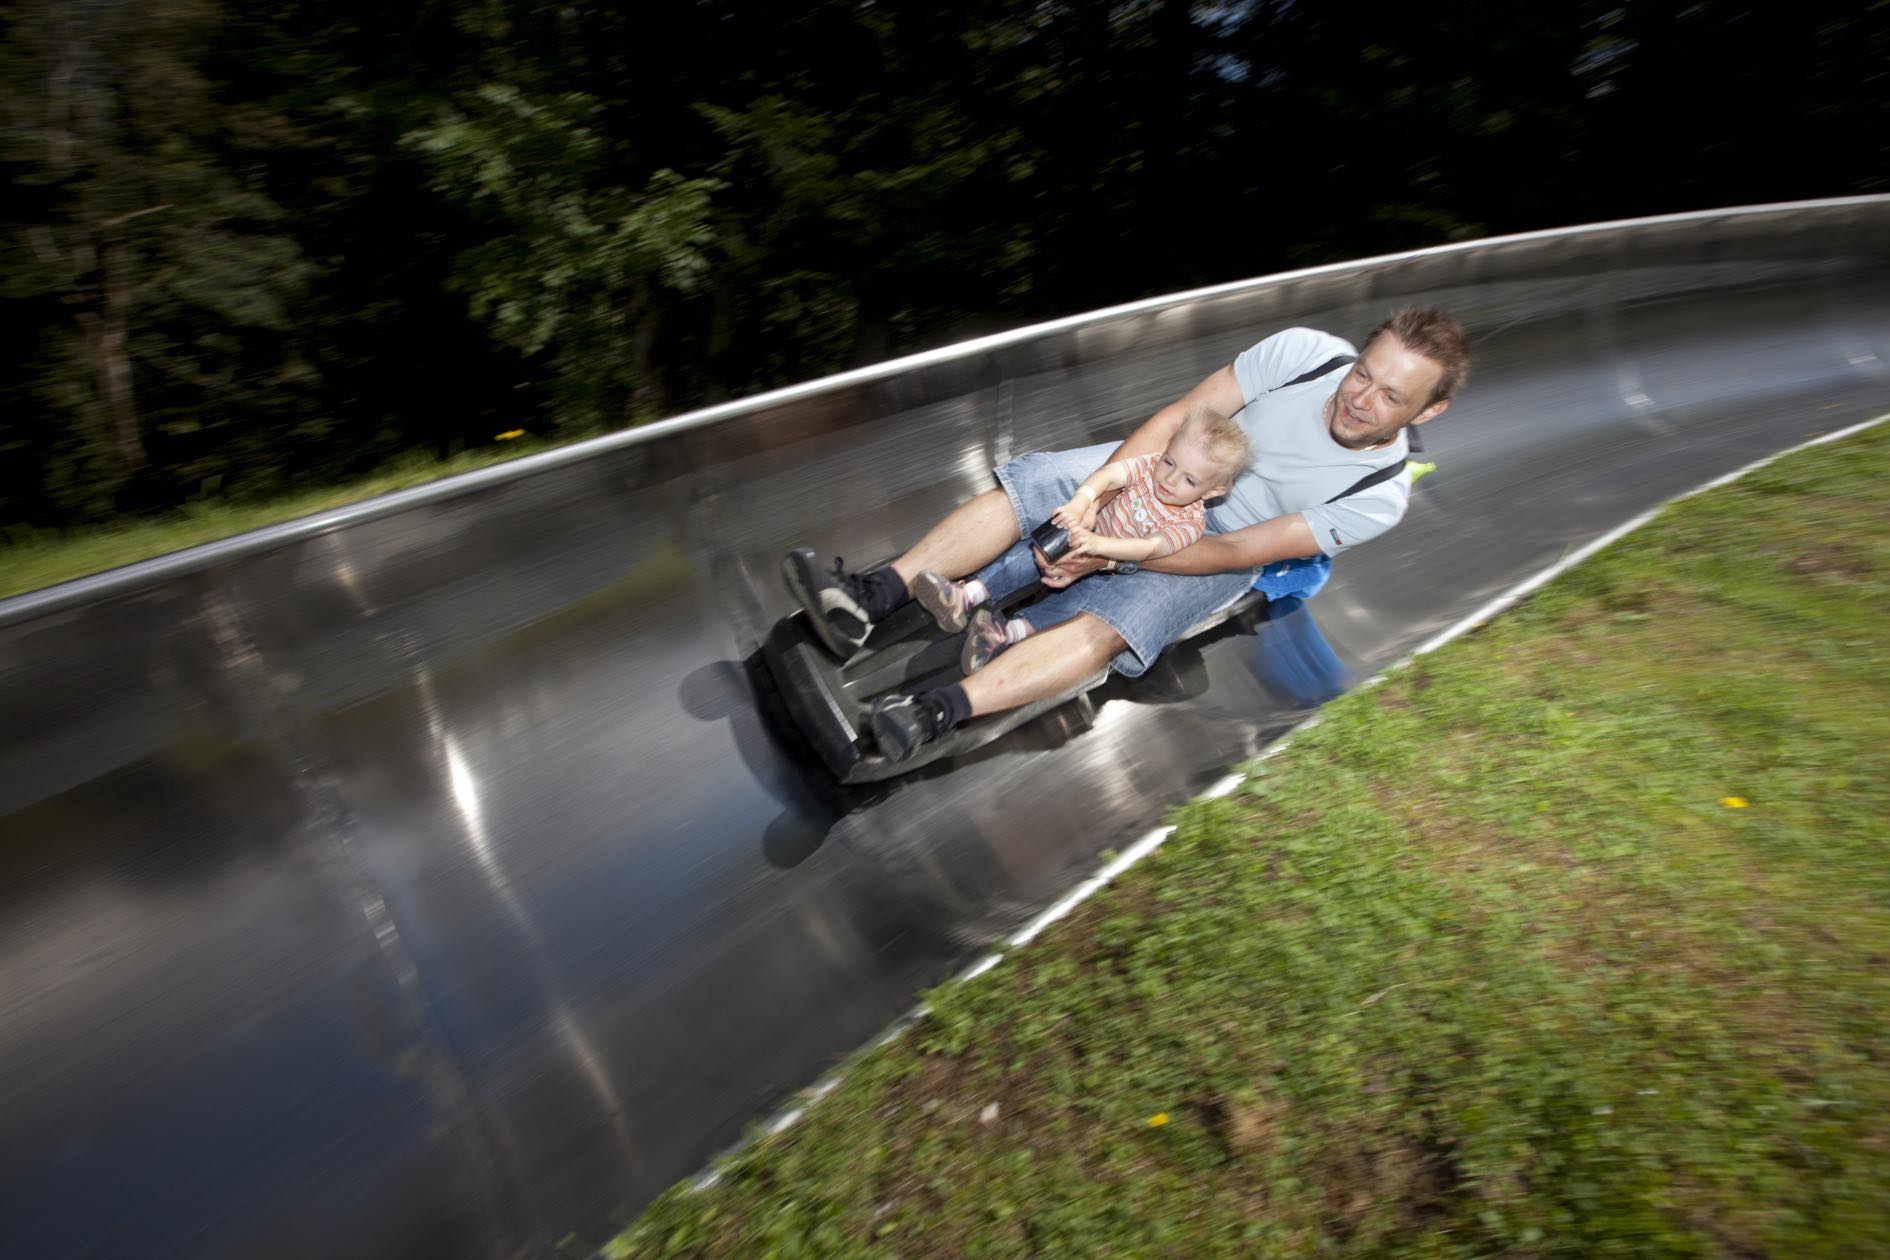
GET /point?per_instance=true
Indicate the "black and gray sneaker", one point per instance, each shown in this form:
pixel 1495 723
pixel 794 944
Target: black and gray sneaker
pixel 901 723
pixel 835 602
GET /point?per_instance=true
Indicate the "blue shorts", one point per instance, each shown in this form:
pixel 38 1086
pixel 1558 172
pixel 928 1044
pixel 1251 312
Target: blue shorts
pixel 1300 579
pixel 1148 610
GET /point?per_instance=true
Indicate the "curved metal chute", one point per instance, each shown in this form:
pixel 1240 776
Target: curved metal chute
pixel 433 875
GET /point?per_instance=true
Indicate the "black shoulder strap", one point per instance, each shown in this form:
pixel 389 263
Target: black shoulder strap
pixel 1370 479
pixel 1317 372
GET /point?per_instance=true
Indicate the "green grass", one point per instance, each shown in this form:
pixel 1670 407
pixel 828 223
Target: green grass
pixel 31 559
pixel 1490 962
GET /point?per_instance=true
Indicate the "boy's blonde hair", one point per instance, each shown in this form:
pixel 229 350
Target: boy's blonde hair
pixel 1224 441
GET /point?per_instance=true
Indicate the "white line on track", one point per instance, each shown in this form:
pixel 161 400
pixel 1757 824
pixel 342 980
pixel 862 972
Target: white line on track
pixel 1158 836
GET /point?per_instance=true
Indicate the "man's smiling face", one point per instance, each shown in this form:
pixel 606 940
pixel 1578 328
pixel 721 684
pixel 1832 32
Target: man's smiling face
pixel 1388 387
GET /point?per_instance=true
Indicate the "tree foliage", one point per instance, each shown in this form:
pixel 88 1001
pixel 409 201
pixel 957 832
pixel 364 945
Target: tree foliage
pixel 567 272
pixel 171 280
pixel 256 246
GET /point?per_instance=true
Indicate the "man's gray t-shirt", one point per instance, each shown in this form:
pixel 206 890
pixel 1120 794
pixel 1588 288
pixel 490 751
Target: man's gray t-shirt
pixel 1297 465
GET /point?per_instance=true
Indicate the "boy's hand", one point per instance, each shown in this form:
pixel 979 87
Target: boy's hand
pixel 1080 540
pixel 1080 511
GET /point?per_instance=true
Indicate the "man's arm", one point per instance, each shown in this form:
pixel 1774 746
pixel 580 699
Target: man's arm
pixel 1220 392
pixel 1267 365
pixel 1282 538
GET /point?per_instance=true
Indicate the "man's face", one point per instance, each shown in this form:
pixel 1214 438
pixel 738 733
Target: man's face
pixel 1388 387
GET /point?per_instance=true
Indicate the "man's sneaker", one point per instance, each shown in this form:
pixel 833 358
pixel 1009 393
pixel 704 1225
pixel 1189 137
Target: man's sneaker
pixel 943 598
pixel 901 723
pixel 985 637
pixel 835 602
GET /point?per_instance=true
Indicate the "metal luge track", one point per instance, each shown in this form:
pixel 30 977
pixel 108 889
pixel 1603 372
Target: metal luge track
pixel 433 876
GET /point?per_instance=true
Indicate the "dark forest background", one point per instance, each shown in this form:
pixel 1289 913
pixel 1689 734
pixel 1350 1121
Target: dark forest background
pixel 262 246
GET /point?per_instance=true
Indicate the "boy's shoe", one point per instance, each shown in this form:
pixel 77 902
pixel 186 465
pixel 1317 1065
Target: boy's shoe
pixel 985 637
pixel 901 724
pixel 943 598
pixel 835 602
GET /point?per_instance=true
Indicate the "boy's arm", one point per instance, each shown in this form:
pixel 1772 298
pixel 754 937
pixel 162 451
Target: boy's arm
pixel 1081 509
pixel 1111 476
pixel 1108 547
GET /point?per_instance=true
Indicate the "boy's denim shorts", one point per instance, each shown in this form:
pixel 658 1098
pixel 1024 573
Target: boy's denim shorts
pixel 1149 610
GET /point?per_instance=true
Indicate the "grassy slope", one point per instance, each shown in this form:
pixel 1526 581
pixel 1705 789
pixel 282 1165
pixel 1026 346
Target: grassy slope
pixel 1484 964
pixel 32 559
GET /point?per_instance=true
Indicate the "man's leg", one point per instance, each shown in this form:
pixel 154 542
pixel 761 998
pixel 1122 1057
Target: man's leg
pixel 972 536
pixel 1047 664
pixel 843 607
pixel 1122 621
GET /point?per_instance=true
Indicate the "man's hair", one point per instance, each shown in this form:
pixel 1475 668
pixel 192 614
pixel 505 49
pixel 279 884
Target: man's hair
pixel 1224 441
pixel 1438 337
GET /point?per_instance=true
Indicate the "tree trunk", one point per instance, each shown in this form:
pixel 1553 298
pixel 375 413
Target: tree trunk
pixel 111 362
pixel 649 395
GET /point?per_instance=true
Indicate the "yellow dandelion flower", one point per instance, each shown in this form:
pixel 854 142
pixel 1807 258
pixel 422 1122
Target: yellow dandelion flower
pixel 1157 1120
pixel 1734 802
pixel 508 435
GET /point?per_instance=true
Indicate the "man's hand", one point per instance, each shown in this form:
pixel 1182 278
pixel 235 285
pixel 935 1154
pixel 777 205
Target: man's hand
pixel 1067 570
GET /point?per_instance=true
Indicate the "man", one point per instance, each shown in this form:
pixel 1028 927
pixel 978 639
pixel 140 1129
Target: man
pixel 1320 423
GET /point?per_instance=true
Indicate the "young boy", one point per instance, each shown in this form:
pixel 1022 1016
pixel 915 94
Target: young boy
pixel 1157 510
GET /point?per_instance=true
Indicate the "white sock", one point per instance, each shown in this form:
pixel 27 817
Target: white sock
pixel 1016 630
pixel 973 591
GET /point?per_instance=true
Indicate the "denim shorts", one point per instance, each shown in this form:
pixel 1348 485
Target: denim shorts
pixel 1148 610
